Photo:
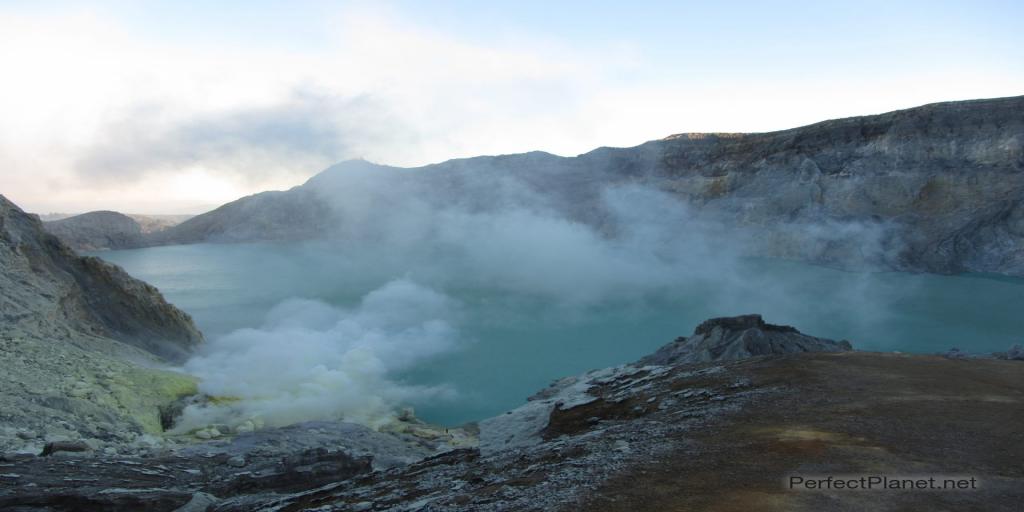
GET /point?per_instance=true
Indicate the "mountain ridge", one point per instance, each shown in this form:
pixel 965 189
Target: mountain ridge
pixel 935 188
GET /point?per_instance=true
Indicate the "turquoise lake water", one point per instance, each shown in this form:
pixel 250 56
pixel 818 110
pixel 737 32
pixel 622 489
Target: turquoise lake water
pixel 513 343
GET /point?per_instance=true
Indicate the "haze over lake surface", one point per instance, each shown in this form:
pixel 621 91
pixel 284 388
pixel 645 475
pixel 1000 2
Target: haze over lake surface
pixel 493 347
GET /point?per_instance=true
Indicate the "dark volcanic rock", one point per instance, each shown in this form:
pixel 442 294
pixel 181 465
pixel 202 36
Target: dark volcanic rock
pixel 295 473
pixel 731 338
pixel 164 483
pixel 65 446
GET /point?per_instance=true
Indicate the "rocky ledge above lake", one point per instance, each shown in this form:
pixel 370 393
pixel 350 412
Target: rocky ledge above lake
pixel 721 433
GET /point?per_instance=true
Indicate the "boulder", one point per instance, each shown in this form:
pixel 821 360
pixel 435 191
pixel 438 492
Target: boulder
pixel 740 337
pixel 65 446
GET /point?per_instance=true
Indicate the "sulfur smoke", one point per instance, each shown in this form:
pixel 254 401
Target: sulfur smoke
pixel 310 360
pixel 416 245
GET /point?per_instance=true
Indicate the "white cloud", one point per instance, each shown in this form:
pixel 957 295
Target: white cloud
pixel 84 93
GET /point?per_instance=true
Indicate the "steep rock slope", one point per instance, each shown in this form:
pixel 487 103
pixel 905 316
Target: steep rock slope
pixel 78 340
pixel 935 188
pixel 47 286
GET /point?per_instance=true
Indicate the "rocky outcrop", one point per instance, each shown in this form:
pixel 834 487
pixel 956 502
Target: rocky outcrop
pixel 936 188
pixel 80 344
pixel 97 230
pixel 732 338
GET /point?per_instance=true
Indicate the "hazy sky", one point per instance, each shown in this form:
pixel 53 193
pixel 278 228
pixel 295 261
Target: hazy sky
pixel 176 107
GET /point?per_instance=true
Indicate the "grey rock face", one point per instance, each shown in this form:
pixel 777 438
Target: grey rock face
pixel 937 188
pixel 247 468
pixel 740 337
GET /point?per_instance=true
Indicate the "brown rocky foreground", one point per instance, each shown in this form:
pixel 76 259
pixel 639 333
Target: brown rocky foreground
pixel 841 414
pixel 726 437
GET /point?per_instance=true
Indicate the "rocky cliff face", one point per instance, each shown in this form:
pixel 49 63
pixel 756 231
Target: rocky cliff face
pixel 47 287
pixel 936 188
pixel 945 180
pixel 79 340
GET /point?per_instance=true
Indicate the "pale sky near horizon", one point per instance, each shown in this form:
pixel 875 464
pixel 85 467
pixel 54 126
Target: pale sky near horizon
pixel 179 106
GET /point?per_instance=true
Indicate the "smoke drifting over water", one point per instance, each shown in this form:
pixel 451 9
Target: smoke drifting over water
pixel 414 244
pixel 310 360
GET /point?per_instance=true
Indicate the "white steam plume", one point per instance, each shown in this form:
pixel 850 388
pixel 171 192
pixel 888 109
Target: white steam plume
pixel 310 360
